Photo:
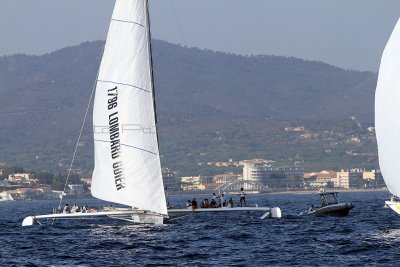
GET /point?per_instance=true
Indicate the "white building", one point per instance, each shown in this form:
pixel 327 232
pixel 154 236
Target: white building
pixel 171 183
pixel 226 178
pixel 19 177
pixel 349 178
pixel 274 177
pixel 191 183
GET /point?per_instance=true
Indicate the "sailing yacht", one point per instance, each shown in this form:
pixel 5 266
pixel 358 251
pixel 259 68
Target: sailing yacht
pixel 127 161
pixel 387 111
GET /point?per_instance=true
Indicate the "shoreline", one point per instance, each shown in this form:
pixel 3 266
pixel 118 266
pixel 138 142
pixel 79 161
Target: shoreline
pixel 295 192
pixel 330 190
pixel 205 194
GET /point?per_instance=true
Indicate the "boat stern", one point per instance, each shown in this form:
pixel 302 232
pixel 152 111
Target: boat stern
pixel 156 219
pixel 394 205
pixel 29 221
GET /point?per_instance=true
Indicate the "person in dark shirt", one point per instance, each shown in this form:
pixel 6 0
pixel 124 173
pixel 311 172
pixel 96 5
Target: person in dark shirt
pixel 194 204
pixel 231 203
pixel 213 203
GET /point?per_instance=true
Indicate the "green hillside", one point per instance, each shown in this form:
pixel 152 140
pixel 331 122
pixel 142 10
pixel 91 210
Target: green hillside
pixel 211 107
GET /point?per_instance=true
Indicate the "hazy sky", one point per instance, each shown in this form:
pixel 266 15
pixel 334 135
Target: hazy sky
pixel 346 33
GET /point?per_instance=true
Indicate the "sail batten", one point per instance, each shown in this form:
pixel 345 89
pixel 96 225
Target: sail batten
pixel 126 21
pixel 142 149
pixel 127 162
pixel 387 110
pixel 119 83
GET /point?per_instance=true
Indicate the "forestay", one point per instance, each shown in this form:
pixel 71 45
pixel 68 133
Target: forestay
pixel 127 163
pixel 387 112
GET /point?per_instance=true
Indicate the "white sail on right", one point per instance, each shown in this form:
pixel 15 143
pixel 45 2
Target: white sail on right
pixel 387 113
pixel 127 163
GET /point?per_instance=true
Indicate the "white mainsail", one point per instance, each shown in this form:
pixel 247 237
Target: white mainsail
pixel 127 162
pixel 387 112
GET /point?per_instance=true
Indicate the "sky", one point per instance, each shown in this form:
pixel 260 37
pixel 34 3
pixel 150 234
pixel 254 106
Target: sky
pixel 346 33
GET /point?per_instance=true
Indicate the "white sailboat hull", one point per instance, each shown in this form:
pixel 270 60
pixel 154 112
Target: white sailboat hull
pixel 145 217
pixel 135 216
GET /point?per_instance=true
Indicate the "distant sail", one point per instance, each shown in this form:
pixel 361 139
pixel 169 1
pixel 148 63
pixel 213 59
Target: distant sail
pixel 127 162
pixel 387 112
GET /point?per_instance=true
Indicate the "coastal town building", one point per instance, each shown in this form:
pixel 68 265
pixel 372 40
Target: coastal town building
pixel 210 186
pixel 191 183
pixel 226 178
pixel 232 163
pixel 206 179
pixel 274 177
pixel 345 179
pixel 294 129
pixel 323 179
pixel 369 175
pixel 171 182
pixel 18 177
pixel 342 179
pixel 24 179
pixel 349 179
pixel 30 194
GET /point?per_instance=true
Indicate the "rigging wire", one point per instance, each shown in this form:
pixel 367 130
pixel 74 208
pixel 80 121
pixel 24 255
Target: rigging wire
pixel 185 43
pixel 79 139
pixel 177 23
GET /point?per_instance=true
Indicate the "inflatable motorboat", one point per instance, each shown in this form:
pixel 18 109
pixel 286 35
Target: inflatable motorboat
pixel 330 206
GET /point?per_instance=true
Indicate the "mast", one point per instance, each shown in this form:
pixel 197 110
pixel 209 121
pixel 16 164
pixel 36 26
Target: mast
pixel 151 67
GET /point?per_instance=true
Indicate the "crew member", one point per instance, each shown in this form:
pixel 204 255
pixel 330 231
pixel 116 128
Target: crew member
pixel 242 195
pixel 194 204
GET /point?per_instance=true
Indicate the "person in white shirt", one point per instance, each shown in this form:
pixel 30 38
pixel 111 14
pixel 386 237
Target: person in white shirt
pixel 242 195
pixel 222 201
pixel 189 205
pixel 66 209
pixel 75 208
pixel 85 208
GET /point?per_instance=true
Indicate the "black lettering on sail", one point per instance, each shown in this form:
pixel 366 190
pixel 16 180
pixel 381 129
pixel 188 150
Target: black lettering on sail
pixel 115 151
pixel 119 175
pixel 112 102
pixel 115 146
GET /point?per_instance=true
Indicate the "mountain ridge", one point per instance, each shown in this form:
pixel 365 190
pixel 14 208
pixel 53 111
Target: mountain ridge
pixel 198 92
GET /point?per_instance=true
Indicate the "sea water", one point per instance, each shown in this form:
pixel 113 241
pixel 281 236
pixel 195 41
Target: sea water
pixel 370 235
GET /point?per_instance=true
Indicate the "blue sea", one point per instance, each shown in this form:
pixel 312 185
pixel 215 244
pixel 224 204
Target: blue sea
pixel 370 236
